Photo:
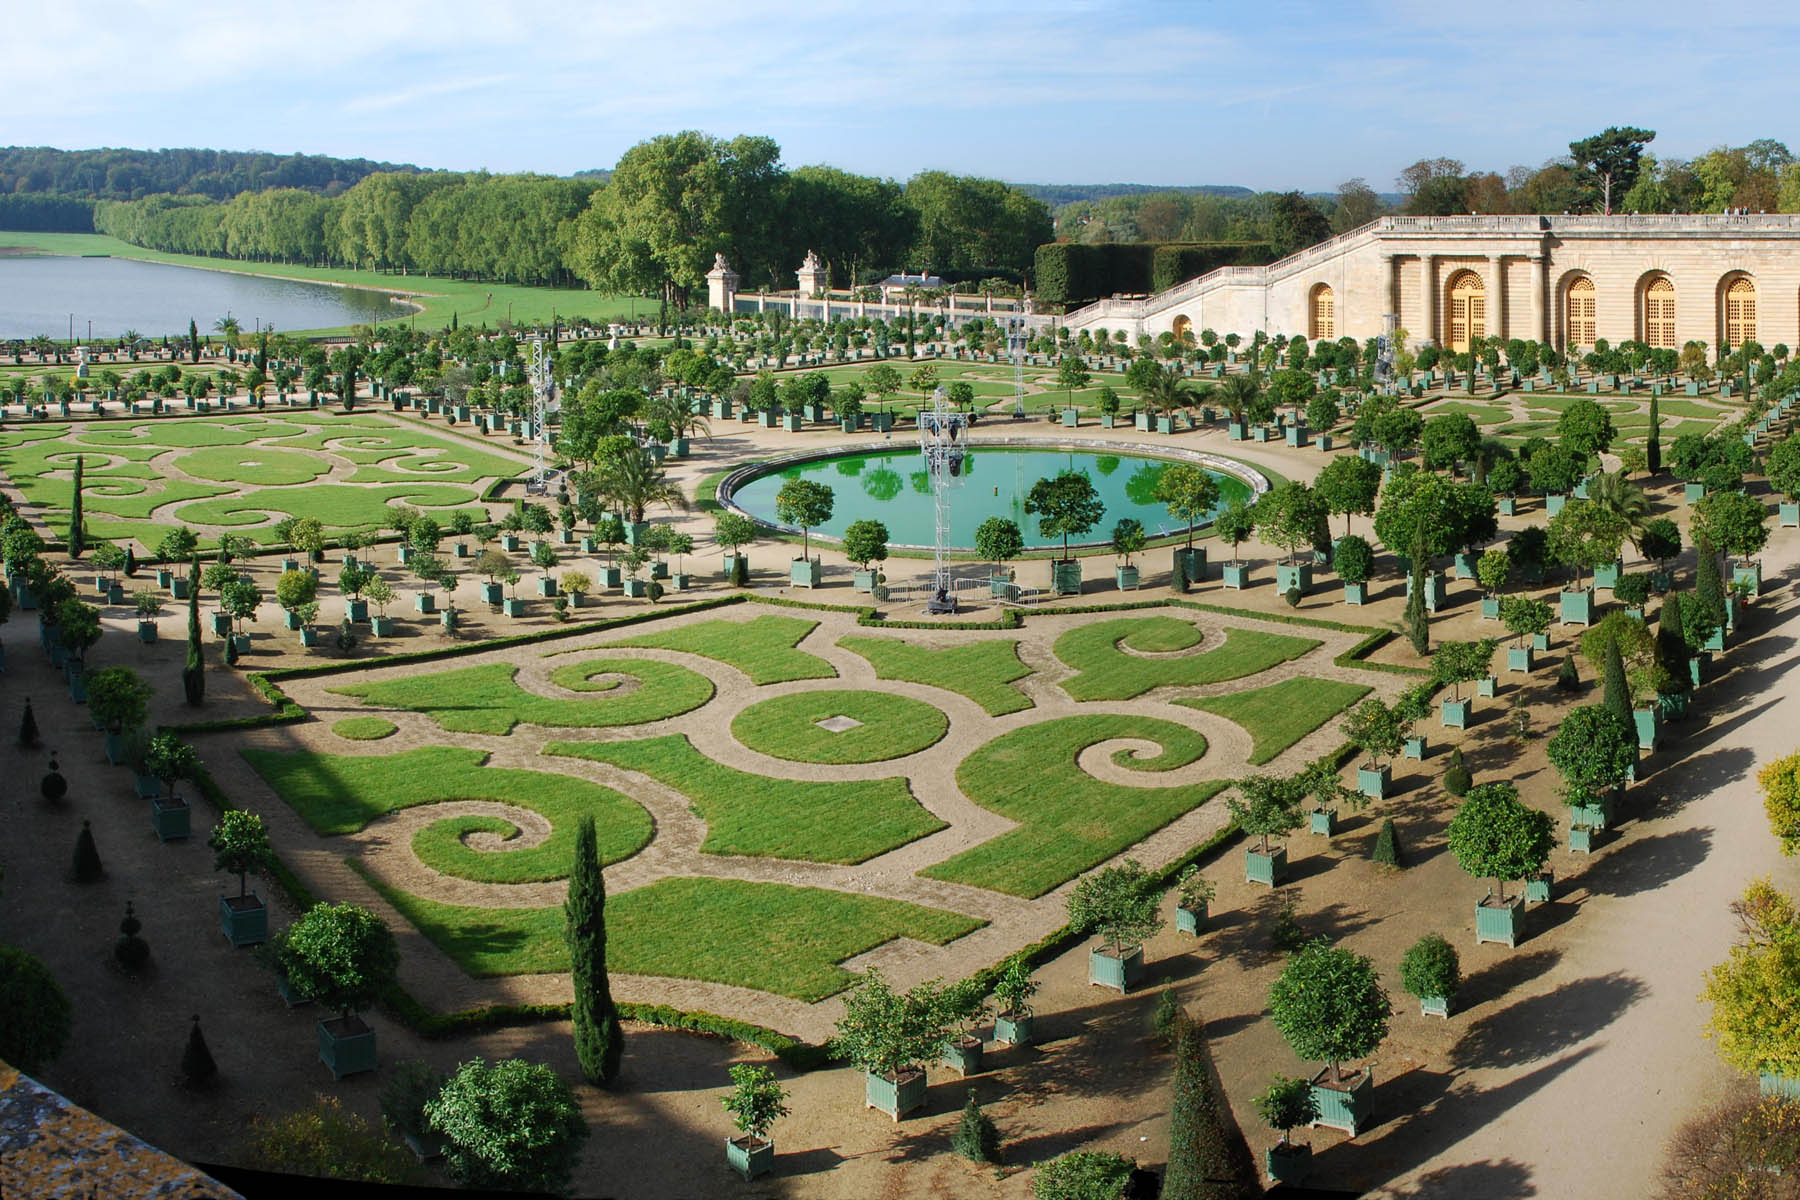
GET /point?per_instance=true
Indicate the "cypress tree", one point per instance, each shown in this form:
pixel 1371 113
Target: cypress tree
pixel 1387 845
pixel 131 563
pixel 976 1138
pixel 77 531
pixel 1653 452
pixel 1709 586
pixel 1208 1158
pixel 1617 694
pixel 1418 621
pixel 1671 645
pixel 197 1065
pixel 599 1041
pixel 262 351
pixel 193 341
pixel 87 866
pixel 1568 677
pixel 28 730
pixel 193 675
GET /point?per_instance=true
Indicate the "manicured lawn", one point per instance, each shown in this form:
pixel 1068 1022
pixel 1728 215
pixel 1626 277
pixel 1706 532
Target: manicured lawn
pixel 982 671
pixel 1068 820
pixel 341 794
pixel 1106 672
pixel 769 936
pixel 1481 414
pixel 486 699
pixel 336 505
pixel 891 727
pixel 832 822
pixel 261 465
pixel 364 729
pixel 762 647
pixel 1281 714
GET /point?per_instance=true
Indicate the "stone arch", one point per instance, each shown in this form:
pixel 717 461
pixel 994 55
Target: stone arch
pixel 1656 311
pixel 1465 316
pixel 1737 310
pixel 1321 313
pixel 1580 301
pixel 1182 330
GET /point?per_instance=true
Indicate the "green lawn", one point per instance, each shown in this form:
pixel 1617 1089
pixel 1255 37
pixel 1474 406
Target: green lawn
pixel 487 699
pixel 769 936
pixel 473 302
pixel 1281 714
pixel 1106 672
pixel 364 729
pixel 1068 820
pixel 846 821
pixel 892 727
pixel 762 647
pixel 982 671
pixel 1481 414
pixel 341 794
pixel 264 466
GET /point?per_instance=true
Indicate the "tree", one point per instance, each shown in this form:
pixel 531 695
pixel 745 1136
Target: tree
pixel 1617 693
pixel 1493 570
pixel 513 1125
pixel 240 845
pixel 197 1066
pixel 341 955
pixel 1612 160
pixel 1431 968
pixel 1348 485
pixel 118 698
pixel 755 1101
pixel 1709 587
pixel 1286 1105
pixel 1733 522
pixel 323 1141
pixel 1449 439
pixel 1270 805
pixel 1585 429
pixel 1457 663
pixel 1329 1005
pixel 86 867
pixel 1418 619
pixel 193 673
pixel 805 503
pixel 998 539
pixel 1653 449
pixel 976 1138
pixel 1353 559
pixel 1064 505
pixel 599 1039
pixel 1234 525
pixel 1495 834
pixel 1746 1147
pixel 1752 990
pixel 865 541
pixel 77 527
pixel 1120 904
pixel 1376 730
pixel 1071 374
pixel 1291 516
pixel 1208 1159
pixel 1189 492
pixel 1780 781
pixel 38 1012
pixel 1593 749
pixel 889 1033
pixel 1585 536
pixel 1083 1175
pixel 1295 223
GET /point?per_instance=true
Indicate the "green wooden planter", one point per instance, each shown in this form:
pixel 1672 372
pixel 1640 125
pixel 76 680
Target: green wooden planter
pixel 1434 1006
pixel 381 626
pixel 1693 493
pixel 636 588
pixel 1374 782
pixel 1500 921
pixel 1789 514
pixel 1649 725
pixel 895 1097
pixel 1487 686
pixel 805 572
pixel 1578 607
pixel 1106 970
pixel 1715 642
pixel 963 1055
pixel 1322 821
pixel 513 607
pixel 1553 503
pixel 1671 706
pixel 546 587
pixel 1434 590
pixel 1065 577
pixel 1296 436
pixel 1014 1031
pixel 1583 838
pixel 290 995
pixel 347 1047
pixel 244 920
pixel 493 593
pixel 1607 576
pixel 1540 642
pixel 1537 891
pixel 749 1157
pixel 1463 564
pixel 1289 1163
pixel 1490 608
pixel 1270 868
pixel 1296 576
pixel 221 623
pixel 1126 578
pixel 169 818
pixel 1750 576
pixel 309 636
pixel 1236 575
pixel 1508 506
pixel 1355 593
pixel 424 603
pixel 1414 747
pixel 1343 1106
pixel 1787 1087
pixel 356 610
pixel 241 642
pixel 448 618
pixel 1698 666
pixel 1454 714
pixel 1518 658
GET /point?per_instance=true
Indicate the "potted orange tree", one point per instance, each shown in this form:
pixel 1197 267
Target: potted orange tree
pixel 1286 1105
pixel 1119 903
pixel 344 957
pixel 890 1035
pixel 1013 991
pixel 1495 834
pixel 167 759
pixel 1270 807
pixel 1193 893
pixel 240 844
pixel 755 1102
pixel 1329 1005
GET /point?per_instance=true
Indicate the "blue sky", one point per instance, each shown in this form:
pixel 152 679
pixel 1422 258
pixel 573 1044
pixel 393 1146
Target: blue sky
pixel 1275 94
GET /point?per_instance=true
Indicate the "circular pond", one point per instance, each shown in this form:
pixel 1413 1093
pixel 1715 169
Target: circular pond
pixel 890 485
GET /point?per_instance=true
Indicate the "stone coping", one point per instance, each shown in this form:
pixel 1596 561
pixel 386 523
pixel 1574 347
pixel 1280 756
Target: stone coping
pixel 1257 482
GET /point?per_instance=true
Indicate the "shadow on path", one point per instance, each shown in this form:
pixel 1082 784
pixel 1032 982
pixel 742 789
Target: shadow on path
pixel 1543 1025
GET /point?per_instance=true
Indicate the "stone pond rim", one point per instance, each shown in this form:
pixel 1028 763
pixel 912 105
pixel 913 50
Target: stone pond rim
pixel 1249 476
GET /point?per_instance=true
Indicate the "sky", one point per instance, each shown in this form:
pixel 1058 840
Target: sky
pixel 1274 94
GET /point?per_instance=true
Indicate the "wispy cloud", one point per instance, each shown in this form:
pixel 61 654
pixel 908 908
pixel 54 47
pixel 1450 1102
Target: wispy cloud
pixel 413 94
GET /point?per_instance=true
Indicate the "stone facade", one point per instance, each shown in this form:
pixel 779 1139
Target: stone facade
pixel 1667 280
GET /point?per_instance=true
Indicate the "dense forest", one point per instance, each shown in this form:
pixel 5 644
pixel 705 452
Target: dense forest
pixel 117 174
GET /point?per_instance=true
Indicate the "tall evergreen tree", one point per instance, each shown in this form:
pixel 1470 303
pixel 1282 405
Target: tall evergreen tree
pixel 1653 451
pixel 1617 696
pixel 193 341
pixel 599 1041
pixel 1208 1158
pixel 77 528
pixel 1418 620
pixel 193 675
pixel 1709 585
pixel 197 1065
pixel 28 729
pixel 86 866
pixel 1671 645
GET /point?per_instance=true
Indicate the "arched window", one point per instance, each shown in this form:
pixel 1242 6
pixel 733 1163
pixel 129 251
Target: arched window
pixel 1659 314
pixel 1182 331
pixel 1580 324
pixel 1468 310
pixel 1323 320
pixel 1740 313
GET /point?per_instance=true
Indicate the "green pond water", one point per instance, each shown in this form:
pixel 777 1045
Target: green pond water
pixel 892 487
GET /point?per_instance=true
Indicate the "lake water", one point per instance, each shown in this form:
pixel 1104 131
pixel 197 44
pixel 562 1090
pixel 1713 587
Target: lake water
pixel 38 294
pixel 892 487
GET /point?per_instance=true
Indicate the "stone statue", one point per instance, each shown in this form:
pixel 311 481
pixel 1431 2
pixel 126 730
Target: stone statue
pixel 812 262
pixel 719 261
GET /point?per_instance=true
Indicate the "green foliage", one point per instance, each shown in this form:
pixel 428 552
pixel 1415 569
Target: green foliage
pixel 1270 805
pixel 976 1137
pixel 1285 932
pixel 364 729
pixel 1732 522
pixel 1329 1005
pixel 168 758
pixel 1189 493
pixel 38 1012
pixel 1292 517
pixel 118 698
pixel 1418 619
pixel 885 1032
pixel 1594 748
pixel 1208 1159
pixel 998 539
pixel 239 844
pixel 1752 990
pixel 599 1039
pixel 86 867
pixel 1083 1175
pixel 1430 967
pixel 1386 851
pixel 341 955
pixel 1234 525
pixel 512 1125
pixel 1286 1105
pixel 1065 506
pixel 1376 730
pixel 805 503
pixel 865 542
pixel 411 1084
pixel 1780 782
pixel 1119 903
pixel 1166 1015
pixel 1457 663
pixel 1568 679
pixel 323 1141
pixel 1495 834
pixel 1493 570
pixel 131 951
pixel 28 729
pixel 1585 428
pixel 1617 693
pixel 1457 779
pixel 1352 557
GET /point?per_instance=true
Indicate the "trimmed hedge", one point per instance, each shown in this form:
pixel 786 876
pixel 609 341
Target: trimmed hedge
pixel 1069 273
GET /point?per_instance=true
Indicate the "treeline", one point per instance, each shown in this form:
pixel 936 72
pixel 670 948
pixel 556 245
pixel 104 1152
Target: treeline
pixel 120 174
pixel 1056 195
pixel 46 214
pixel 652 227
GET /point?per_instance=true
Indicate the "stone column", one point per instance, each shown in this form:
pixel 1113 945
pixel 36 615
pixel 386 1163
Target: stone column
pixel 1497 314
pixel 1391 287
pixel 1428 298
pixel 1539 286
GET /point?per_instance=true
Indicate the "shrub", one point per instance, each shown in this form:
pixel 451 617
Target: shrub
pixel 1292 596
pixel 412 1085
pixel 1430 967
pixel 976 1138
pixel 131 951
pixel 87 867
pixel 1780 782
pixel 1457 779
pixel 885 1032
pixel 1164 1016
pixel 513 1125
pixel 197 1066
pixel 37 1011
pixel 1743 1147
pixel 755 1101
pixel 1386 851
pixel 324 1141
pixel 1285 933
pixel 1568 677
pixel 1014 989
pixel 341 955
pixel 1286 1105
pixel 1329 1005
pixel 1083 1175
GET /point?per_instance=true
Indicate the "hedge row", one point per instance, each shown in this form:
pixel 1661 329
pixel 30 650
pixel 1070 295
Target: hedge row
pixel 1069 273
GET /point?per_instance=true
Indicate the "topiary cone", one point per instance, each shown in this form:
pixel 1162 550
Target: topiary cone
pixel 197 1065
pixel 28 730
pixel 87 866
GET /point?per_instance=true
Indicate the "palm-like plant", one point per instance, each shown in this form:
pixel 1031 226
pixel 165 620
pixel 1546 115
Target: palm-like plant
pixel 1166 391
pixel 228 325
pixel 1237 393
pixel 633 480
pixel 1612 492
pixel 678 414
pixel 129 341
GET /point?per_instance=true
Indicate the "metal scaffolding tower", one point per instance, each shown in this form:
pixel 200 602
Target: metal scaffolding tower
pixel 543 403
pixel 943 441
pixel 1017 335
